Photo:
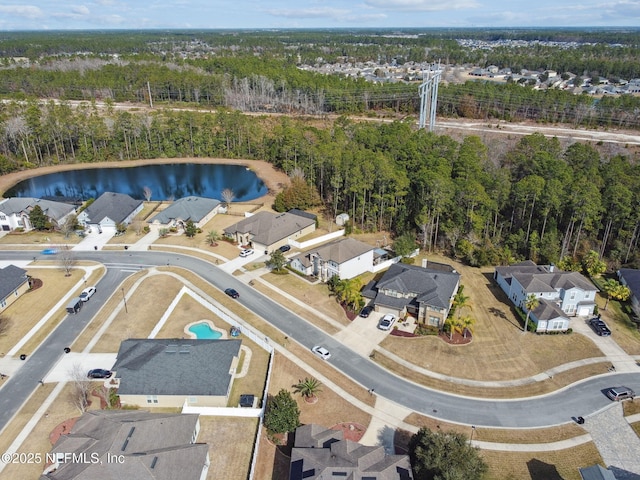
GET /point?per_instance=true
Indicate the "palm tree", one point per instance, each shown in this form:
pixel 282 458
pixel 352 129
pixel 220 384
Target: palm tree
pixel 467 323
pixel 212 237
pixel 308 388
pixel 454 324
pixel 531 303
pixel 460 301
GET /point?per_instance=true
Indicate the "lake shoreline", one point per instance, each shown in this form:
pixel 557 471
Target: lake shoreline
pixel 273 179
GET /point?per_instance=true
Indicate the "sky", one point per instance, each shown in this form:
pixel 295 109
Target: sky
pixel 258 14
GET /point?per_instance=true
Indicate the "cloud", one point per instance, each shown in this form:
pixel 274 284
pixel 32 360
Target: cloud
pixel 309 13
pixel 422 5
pixel 26 11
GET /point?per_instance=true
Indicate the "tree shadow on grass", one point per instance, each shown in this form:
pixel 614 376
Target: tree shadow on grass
pixel 539 470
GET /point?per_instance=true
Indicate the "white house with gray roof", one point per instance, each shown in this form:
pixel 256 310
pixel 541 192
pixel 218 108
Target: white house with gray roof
pixel 266 231
pixel 561 294
pixel 424 293
pixel 199 210
pixel 172 372
pixel 346 258
pixel 319 453
pixel 110 209
pixel 151 446
pixel 14 212
pixel 14 281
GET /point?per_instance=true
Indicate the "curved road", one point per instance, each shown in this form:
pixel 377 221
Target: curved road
pixel 577 400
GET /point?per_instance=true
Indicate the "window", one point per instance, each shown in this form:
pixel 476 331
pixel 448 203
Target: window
pixel 573 296
pixel 557 325
pixel 193 400
pixel 3 217
pixel 434 321
pixel 3 303
pixel 152 399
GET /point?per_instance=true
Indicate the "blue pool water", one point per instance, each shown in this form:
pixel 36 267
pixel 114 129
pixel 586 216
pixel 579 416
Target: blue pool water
pixel 203 331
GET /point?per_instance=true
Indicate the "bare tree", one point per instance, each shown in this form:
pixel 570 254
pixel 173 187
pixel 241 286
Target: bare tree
pixel 66 259
pixel 137 226
pixel 146 191
pixel 81 387
pixel 69 226
pixel 5 325
pixel 227 196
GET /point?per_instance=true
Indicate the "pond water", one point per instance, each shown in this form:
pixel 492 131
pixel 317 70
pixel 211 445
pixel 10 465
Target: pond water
pixel 166 182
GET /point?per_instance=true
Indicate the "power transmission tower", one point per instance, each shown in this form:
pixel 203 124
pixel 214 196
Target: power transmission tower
pixel 429 98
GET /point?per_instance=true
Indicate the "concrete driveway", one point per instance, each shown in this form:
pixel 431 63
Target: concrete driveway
pixel 362 334
pixel 64 369
pixel 95 239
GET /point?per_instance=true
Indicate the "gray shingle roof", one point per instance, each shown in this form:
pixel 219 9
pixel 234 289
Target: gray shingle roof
pixel 268 228
pixel 321 453
pixel 175 366
pixel 155 446
pixel 547 310
pixel 632 279
pixel 116 206
pixel 342 250
pixel 185 209
pixel 432 287
pixel 53 210
pixel 11 277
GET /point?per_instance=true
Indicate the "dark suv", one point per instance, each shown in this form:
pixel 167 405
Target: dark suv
pixel 600 327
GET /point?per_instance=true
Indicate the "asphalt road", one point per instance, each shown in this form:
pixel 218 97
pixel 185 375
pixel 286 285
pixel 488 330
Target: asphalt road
pixel 557 408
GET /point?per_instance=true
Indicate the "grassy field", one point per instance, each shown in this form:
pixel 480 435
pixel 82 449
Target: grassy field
pixel 31 307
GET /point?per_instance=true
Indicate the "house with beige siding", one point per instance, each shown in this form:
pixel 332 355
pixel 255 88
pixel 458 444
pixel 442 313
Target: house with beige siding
pixel 14 282
pixel 174 372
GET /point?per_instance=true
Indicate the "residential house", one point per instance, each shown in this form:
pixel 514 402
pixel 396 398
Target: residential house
pixel 561 294
pixel 631 278
pixel 108 444
pixel 109 210
pixel 346 258
pixel 266 231
pixel 424 293
pixel 14 281
pixel 175 372
pixel 319 453
pixel 14 212
pixel 596 472
pixel 199 210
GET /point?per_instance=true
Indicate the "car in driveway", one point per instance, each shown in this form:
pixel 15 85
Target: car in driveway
pixel 322 352
pixel 600 327
pixel 386 322
pixel 621 393
pixel 246 252
pixel 366 311
pixel 285 248
pixel 232 292
pixel 87 293
pixel 99 373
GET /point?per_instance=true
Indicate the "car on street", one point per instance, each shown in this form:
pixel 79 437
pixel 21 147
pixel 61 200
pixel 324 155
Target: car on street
pixel 366 311
pixel 386 322
pixel 232 292
pixel 49 251
pixel 600 327
pixel 246 252
pixel 620 393
pixel 285 248
pixel 99 373
pixel 87 293
pixel 322 352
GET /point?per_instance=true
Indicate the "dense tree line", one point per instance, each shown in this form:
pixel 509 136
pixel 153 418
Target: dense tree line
pixel 257 71
pixel 537 200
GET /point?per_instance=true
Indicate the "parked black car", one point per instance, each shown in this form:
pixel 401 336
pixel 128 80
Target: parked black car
pixel 285 248
pixel 600 327
pixel 232 292
pixel 99 373
pixel 364 313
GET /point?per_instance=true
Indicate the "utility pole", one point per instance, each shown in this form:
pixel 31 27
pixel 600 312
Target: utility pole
pixel 150 99
pixel 429 98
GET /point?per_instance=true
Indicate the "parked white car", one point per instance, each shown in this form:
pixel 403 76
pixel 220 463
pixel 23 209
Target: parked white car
pixel 386 322
pixel 87 293
pixel 246 252
pixel 322 352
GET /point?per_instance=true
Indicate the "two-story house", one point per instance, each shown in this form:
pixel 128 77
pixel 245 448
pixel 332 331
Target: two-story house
pixel 14 212
pixel 344 258
pixel 561 294
pixel 424 293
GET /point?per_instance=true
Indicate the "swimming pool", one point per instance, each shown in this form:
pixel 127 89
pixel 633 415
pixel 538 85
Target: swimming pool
pixel 203 331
